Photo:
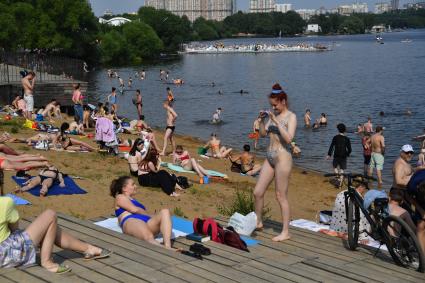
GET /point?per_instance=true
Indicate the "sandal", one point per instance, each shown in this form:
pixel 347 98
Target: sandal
pixel 200 249
pixel 62 269
pixel 194 255
pixel 103 254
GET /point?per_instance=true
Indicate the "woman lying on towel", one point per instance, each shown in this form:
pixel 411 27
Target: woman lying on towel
pixel 151 176
pixel 182 158
pixel 18 247
pixel 67 143
pixel 46 178
pixel 133 218
pixel 22 162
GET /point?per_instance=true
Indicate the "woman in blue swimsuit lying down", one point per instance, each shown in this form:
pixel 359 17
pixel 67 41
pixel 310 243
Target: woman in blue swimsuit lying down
pixel 280 128
pixel 133 218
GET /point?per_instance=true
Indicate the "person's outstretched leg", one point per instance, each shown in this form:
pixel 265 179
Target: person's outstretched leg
pixel 14 165
pixel 166 137
pixel 30 184
pixel 283 171
pixel 266 176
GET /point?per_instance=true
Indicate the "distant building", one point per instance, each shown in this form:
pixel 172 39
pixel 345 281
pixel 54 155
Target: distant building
pixel 382 7
pixel 108 13
pixel 378 29
pixel 216 10
pixel 261 6
pixel 306 14
pixel 283 8
pixel 395 4
pixel 117 21
pixel 416 6
pixel 357 7
pixel 313 28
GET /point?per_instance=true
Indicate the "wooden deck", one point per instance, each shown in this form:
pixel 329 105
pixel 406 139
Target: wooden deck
pixel 307 257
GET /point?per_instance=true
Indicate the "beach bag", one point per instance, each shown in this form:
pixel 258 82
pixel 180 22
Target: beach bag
pixel 217 233
pixel 39 117
pixel 244 225
pixel 42 145
pixel 183 182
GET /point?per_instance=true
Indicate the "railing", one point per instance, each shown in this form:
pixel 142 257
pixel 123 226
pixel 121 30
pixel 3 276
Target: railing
pixel 48 68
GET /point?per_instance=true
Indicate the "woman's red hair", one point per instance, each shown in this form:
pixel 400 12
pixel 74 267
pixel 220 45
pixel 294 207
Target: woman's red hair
pixel 278 93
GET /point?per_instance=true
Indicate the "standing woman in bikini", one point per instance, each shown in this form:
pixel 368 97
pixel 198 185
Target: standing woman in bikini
pixel 281 128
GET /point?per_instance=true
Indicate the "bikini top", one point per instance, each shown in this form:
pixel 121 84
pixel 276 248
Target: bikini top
pixel 120 210
pixel 273 128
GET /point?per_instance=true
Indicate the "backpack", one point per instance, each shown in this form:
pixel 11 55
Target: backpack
pixel 227 236
pixel 183 182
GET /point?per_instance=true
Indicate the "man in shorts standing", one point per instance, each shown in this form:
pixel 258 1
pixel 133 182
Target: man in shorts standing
pixel 378 151
pixel 28 83
pixel 341 149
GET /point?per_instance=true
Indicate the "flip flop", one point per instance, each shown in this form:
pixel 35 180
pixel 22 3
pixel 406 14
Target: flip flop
pixel 103 254
pixel 200 249
pixel 62 269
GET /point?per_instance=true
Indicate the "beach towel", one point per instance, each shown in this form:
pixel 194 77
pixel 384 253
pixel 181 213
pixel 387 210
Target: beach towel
pixel 182 170
pixel 17 200
pixel 322 228
pixel 71 188
pixel 112 224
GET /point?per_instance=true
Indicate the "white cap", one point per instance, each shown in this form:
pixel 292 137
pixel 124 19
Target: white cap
pixel 407 148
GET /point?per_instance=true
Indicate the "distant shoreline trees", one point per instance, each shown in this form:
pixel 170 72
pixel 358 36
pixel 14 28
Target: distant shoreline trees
pixel 69 28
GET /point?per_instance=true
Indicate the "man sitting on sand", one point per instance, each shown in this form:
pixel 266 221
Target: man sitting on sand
pixel 52 109
pixel 246 162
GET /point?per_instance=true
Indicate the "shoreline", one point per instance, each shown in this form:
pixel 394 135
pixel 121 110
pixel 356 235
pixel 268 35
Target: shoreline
pixel 309 191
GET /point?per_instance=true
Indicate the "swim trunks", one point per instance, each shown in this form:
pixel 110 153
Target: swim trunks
pixel 377 161
pixel 341 162
pixel 17 250
pixel 29 100
pixel 172 128
pixel 367 159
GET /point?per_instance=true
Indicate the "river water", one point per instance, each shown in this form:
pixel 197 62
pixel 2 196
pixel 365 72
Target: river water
pixel 359 78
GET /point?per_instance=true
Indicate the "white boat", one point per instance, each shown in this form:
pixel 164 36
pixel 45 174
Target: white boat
pixel 252 48
pixel 406 40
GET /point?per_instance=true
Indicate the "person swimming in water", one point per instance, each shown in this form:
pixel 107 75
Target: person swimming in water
pixel 216 118
pixel 307 118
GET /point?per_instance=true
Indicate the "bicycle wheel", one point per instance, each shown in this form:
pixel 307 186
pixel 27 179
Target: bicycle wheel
pixel 402 243
pixel 353 221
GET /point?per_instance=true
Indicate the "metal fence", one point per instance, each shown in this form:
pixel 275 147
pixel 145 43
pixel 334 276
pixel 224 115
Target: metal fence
pixel 48 68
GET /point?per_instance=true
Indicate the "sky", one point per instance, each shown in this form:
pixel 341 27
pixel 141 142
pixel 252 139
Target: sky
pixel 122 6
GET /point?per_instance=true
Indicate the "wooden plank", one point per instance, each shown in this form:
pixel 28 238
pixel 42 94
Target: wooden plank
pixel 288 273
pixel 204 273
pixel 391 266
pixel 98 267
pixel 386 271
pixel 323 275
pixel 115 236
pixel 183 275
pixel 23 276
pixel 6 280
pixel 354 273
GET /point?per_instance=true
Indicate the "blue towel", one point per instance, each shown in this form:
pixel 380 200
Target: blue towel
pixel 71 188
pixel 17 200
pixel 186 226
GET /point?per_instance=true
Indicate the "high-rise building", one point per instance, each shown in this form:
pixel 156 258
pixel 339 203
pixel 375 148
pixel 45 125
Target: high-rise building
pixel 357 7
pixel 283 8
pixel 261 6
pixel 209 9
pixel 395 4
pixel 382 7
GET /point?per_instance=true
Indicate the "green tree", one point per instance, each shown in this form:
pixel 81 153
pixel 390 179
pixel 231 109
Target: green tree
pixel 352 25
pixel 142 41
pixel 204 30
pixel 113 49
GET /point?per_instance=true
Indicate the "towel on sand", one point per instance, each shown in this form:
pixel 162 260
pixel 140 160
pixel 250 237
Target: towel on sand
pixel 112 224
pixel 71 188
pixel 17 200
pixel 180 169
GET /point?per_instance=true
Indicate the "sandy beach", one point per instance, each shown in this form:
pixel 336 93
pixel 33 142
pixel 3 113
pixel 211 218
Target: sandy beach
pixel 309 191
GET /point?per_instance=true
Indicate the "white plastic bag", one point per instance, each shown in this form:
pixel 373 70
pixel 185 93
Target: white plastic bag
pixel 244 225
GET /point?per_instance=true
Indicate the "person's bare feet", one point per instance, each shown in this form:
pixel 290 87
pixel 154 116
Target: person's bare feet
pixel 281 237
pixel 175 195
pixel 259 227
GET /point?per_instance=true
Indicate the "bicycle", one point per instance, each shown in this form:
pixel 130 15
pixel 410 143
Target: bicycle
pixel 390 230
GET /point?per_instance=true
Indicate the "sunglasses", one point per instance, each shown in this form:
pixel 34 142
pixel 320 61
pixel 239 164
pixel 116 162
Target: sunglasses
pixel 410 152
pixel 179 152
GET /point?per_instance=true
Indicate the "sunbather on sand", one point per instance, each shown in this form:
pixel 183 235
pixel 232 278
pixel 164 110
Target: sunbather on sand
pixel 68 143
pixel 182 158
pixel 217 151
pixel 13 162
pixel 47 177
pixel 133 217
pixel 246 162
pixel 43 232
